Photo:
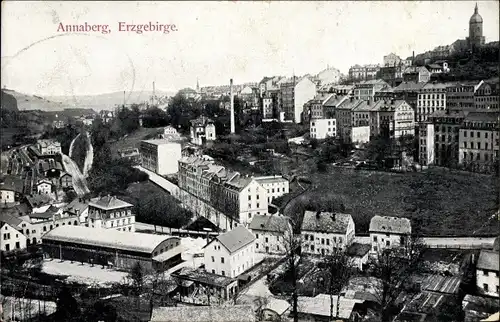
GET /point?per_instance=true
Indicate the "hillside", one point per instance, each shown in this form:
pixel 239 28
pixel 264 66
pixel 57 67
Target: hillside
pixel 107 101
pixel 8 102
pixel 27 102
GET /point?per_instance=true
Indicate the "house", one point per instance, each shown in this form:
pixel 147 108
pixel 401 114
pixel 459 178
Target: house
pixel 487 272
pixel 276 186
pixel 395 118
pixel 323 128
pixel 202 130
pixel 389 232
pixel 48 147
pixel 275 310
pixel 231 253
pixel 359 254
pixel 110 212
pixel 367 89
pixel 78 207
pixel 44 187
pixel 294 94
pixel 480 308
pixel 240 313
pixel 318 308
pixel 66 180
pixel 161 155
pixel 10 236
pixel 11 189
pixel 269 232
pixel 321 232
pixel 417 74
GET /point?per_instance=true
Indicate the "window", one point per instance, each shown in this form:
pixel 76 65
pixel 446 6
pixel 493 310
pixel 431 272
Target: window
pixel 249 198
pixel 485 286
pixel 256 235
pixel 485 273
pixel 213 271
pixel 222 260
pixel 7 247
pixel 223 273
pixel 19 246
pixel 312 248
pixel 328 241
pixel 322 241
pixel 256 245
pixel 267 239
pixel 375 238
pixel 478 134
pixel 471 134
pixel 387 243
pixel 213 259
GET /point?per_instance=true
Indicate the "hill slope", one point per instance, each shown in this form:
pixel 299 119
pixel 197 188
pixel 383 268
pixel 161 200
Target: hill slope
pixel 8 102
pixel 27 102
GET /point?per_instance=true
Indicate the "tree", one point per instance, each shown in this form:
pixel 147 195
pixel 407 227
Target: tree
pixel 136 276
pixel 379 149
pixel 67 307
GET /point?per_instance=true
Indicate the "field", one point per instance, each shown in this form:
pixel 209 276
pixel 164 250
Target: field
pixel 440 202
pixel 133 140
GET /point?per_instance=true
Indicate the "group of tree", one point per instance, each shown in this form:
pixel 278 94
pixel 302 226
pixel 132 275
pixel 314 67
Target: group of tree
pixel 382 149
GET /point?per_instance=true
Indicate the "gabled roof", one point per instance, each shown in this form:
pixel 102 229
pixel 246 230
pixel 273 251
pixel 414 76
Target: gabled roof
pixel 76 206
pixel 409 86
pixel 10 219
pixel 335 100
pixel 321 303
pixel 277 305
pixel 270 179
pixel 270 223
pixel 326 222
pixel 488 260
pixel 390 225
pixel 358 250
pixel 349 104
pixel 235 239
pixel 12 183
pixel 108 203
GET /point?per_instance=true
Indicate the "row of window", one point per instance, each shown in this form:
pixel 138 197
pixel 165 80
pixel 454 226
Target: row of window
pixel 471 156
pixel 477 146
pixel 308 237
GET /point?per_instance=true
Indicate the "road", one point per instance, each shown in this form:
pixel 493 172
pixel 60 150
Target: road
pixel 79 184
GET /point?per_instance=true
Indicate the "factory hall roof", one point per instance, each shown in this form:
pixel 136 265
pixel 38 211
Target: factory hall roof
pixel 136 242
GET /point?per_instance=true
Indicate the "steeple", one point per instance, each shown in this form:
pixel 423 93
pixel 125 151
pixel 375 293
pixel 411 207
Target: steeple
pixel 475 9
pixel 197 85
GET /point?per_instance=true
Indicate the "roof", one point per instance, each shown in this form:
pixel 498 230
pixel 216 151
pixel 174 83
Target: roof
pixel 108 203
pixel 239 182
pixel 394 225
pixel 137 242
pixel 326 222
pixel 335 100
pixel 236 239
pixel 240 313
pixel 47 142
pixel 409 86
pixel 483 116
pixel 170 140
pixel 320 305
pixel 203 277
pixel 270 223
pixel 349 104
pixel 9 219
pixel 201 121
pixel 442 284
pixel 358 250
pixel 12 183
pixel 277 305
pixel 488 260
pixel 76 206
pixel 270 179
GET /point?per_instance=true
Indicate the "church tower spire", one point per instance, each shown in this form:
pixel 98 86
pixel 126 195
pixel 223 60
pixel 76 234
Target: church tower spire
pixel 197 85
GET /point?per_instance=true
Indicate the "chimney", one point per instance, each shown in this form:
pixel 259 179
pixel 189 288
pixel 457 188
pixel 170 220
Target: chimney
pixel 351 98
pixel 232 105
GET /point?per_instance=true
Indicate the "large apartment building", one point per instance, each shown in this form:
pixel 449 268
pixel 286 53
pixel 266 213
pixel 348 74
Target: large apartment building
pixel 293 95
pixel 460 96
pixel 110 212
pixel 486 96
pixel 160 156
pixel 431 98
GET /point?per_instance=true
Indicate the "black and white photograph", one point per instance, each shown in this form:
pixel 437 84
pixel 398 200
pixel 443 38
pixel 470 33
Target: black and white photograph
pixel 247 161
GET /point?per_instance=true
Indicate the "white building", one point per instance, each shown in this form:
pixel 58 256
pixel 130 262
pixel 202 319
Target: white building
pixel 48 147
pixel 169 130
pixel 323 231
pixel 270 232
pixel 44 187
pixel 267 108
pixel 330 75
pixel 360 134
pixel 110 212
pixel 161 156
pixel 322 128
pixel 431 98
pixel 252 197
pixel 487 272
pixel 389 232
pixel 231 253
pixel 10 237
pixel 294 94
pixel 276 186
pixel 79 208
pixel 202 130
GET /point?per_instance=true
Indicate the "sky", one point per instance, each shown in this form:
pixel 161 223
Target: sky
pixel 215 41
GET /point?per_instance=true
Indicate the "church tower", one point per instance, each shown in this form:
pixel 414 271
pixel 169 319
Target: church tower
pixel 476 38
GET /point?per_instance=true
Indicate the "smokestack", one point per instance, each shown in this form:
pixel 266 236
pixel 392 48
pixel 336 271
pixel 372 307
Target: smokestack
pixel 232 104
pixel 413 60
pixel 153 100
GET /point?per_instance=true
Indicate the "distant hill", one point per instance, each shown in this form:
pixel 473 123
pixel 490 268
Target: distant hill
pixel 27 102
pixel 8 102
pixel 107 101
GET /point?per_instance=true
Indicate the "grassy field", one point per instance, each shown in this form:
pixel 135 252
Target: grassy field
pixel 440 202
pixel 133 140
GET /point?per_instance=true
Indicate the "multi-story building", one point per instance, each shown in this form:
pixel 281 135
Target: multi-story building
pixel 270 233
pixel 202 130
pixel 314 109
pixel 329 107
pixel 10 236
pixel 365 72
pixel 66 180
pixel 251 197
pixel 487 272
pixel 392 75
pixel 479 139
pixel 366 90
pixel 230 254
pixel 11 189
pixel 343 115
pixel 396 118
pixel 44 187
pixel 294 94
pixel 431 98
pixel 389 233
pixel 321 232
pixel 330 75
pixel 408 91
pixel 486 96
pixel 322 129
pixel 460 96
pixel 418 74
pixel 48 147
pixel 267 108
pixel 161 155
pixel 276 186
pixel 110 212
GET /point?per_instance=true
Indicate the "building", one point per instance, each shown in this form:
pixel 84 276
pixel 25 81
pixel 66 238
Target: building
pixel 329 107
pixel 294 94
pixel 394 118
pixel 131 154
pixel 11 189
pixel 48 147
pixel 119 249
pixel 417 74
pixel 323 128
pixel 318 308
pixel 330 75
pixel 476 38
pixel 268 111
pixel 392 75
pixel 168 131
pixel 360 134
pixel 392 60
pixel 389 233
pixel 251 196
pixel 365 115
pixel 479 140
pixel 276 186
pixel 66 180
pixel 240 313
pixel 275 310
pixel 231 253
pixel 44 187
pixel 270 233
pixel 343 115
pixel 408 91
pixel 321 232
pixel 460 96
pixel 202 130
pixel 486 96
pixel 188 93
pixel 365 72
pixel 487 272
pixel 314 109
pixel 426 150
pixel 79 208
pixel 358 253
pixel 111 213
pixel 366 90
pixel 161 155
pixel 431 98
pixel 10 236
